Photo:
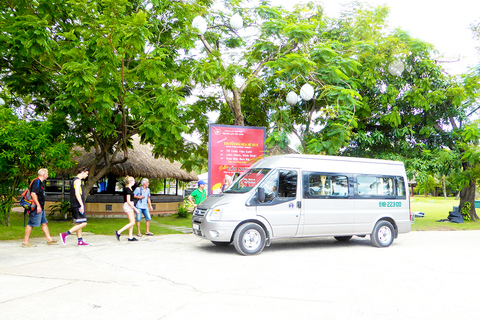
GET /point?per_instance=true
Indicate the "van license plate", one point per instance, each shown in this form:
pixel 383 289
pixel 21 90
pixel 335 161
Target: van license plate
pixel 196 227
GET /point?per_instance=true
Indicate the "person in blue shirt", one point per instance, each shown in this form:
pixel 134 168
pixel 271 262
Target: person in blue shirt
pixel 144 203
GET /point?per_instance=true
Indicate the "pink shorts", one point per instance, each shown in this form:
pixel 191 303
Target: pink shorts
pixel 127 208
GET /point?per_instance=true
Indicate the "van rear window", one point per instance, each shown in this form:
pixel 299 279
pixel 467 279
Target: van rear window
pixel 382 186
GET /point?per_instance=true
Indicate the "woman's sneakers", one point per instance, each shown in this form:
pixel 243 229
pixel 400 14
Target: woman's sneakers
pixel 129 239
pixel 83 243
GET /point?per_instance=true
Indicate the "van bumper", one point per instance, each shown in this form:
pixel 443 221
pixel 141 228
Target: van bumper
pixel 214 231
pixel 404 226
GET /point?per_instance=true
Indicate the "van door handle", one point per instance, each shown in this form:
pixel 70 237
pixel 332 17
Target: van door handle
pixel 299 204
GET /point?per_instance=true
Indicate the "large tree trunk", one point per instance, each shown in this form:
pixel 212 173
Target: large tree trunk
pixel 467 194
pixel 444 187
pixel 237 109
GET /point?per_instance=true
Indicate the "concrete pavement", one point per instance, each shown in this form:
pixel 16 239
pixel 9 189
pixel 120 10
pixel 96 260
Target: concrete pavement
pixel 423 275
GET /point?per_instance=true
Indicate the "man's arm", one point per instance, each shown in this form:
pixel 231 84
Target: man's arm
pixel 190 198
pixel 137 195
pixel 35 199
pixel 149 203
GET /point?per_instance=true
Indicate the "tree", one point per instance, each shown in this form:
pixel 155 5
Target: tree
pixel 277 51
pixel 421 108
pixel 25 147
pixel 426 183
pixel 109 69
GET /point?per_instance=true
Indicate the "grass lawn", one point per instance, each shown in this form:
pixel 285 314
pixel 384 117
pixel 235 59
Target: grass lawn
pixel 437 208
pixel 434 209
pixel 106 226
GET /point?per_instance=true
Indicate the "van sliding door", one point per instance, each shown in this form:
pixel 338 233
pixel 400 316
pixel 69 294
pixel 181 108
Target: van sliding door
pixel 328 204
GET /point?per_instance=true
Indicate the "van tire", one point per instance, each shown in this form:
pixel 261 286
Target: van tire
pixel 249 239
pixel 343 238
pixel 221 243
pixel 383 234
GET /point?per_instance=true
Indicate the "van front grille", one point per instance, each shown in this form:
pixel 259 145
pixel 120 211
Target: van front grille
pixel 199 215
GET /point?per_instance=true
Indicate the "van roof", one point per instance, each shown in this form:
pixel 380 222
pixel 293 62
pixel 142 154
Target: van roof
pixel 332 164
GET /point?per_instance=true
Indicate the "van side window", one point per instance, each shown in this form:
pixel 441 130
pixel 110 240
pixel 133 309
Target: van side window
pixel 400 183
pixel 287 186
pixel 282 185
pixel 377 186
pixel 327 185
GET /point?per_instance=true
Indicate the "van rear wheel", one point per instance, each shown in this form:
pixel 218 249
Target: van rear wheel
pixel 383 234
pixel 249 239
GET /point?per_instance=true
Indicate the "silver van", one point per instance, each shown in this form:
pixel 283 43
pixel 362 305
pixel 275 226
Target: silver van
pixel 292 196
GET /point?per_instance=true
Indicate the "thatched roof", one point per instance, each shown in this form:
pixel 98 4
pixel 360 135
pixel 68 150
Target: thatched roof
pixel 140 163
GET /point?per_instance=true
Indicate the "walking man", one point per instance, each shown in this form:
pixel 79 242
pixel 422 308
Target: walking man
pixel 144 203
pixel 77 203
pixel 37 217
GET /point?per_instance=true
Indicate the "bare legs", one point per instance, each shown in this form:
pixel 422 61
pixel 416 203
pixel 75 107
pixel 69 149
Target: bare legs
pixel 28 232
pixel 129 225
pixel 78 229
pixel 147 225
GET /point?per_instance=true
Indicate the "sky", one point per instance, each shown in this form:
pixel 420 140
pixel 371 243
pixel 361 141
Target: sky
pixel 445 24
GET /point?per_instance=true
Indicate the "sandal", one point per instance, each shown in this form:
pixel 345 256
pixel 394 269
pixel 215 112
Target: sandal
pixel 139 235
pixel 149 234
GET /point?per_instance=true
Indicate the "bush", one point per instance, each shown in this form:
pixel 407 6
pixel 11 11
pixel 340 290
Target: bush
pixel 60 210
pixel 182 212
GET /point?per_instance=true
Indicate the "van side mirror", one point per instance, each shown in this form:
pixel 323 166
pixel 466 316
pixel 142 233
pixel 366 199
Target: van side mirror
pixel 261 194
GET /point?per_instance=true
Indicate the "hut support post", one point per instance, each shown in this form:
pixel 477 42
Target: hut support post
pixel 176 187
pixel 111 183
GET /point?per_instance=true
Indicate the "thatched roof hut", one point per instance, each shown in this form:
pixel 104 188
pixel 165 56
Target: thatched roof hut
pixel 140 163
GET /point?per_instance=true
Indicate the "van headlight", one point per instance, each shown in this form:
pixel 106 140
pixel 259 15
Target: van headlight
pixel 214 214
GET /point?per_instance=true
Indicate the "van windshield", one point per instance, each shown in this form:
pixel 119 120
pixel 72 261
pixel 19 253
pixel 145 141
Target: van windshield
pixel 248 180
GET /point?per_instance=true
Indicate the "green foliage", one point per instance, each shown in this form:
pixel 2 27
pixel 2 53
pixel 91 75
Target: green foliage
pixel 183 212
pixel 60 210
pixel 425 183
pixel 107 69
pixel 25 147
pixel 466 211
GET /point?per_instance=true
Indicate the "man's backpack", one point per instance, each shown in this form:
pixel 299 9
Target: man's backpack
pixel 26 200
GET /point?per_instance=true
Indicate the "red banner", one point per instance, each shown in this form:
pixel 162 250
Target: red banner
pixel 232 150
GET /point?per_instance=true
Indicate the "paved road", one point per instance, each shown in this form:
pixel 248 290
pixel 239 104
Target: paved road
pixel 423 275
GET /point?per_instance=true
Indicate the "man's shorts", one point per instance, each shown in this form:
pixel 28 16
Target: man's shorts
pixel 78 216
pixel 36 219
pixel 145 212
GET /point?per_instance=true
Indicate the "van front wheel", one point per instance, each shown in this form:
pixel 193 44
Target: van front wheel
pixel 383 234
pixel 249 239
